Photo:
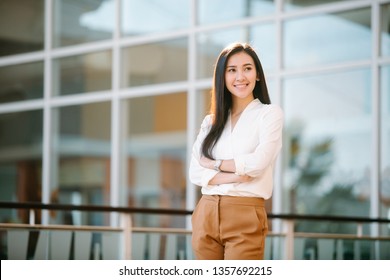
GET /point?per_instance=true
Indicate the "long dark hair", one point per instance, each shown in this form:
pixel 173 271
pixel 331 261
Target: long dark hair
pixel 221 99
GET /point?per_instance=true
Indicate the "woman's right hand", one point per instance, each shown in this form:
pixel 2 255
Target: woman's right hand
pixel 229 178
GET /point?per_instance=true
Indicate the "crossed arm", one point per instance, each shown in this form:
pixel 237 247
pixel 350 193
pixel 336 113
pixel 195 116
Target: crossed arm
pixel 227 174
pixel 244 167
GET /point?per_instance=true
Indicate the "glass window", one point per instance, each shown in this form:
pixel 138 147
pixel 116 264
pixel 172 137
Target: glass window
pixel 385 32
pixel 21 82
pixel 20 161
pixel 21 28
pixel 83 21
pixel 384 194
pixel 297 4
pixel 140 17
pixel 225 11
pixel 328 38
pixel 203 106
pixel 81 161
pixel 82 73
pixel 263 39
pixel 155 63
pixel 154 156
pixel 273 94
pixel 328 119
pixel 209 45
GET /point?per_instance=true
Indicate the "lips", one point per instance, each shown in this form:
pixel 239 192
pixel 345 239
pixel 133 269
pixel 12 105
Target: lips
pixel 241 85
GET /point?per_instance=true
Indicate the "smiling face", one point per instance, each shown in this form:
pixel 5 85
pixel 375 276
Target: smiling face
pixel 240 76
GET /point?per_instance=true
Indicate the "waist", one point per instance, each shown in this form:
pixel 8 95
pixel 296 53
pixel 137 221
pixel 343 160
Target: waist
pixel 225 199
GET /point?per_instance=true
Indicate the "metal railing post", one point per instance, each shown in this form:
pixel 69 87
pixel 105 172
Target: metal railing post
pixel 359 230
pixel 127 235
pixel 289 244
pixel 31 217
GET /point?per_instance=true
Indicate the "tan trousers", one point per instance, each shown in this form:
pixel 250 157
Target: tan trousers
pixel 230 228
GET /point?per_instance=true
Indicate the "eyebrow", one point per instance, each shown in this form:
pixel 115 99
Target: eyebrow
pixel 235 66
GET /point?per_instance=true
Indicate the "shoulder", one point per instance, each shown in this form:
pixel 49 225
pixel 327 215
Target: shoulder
pixel 270 115
pixel 274 109
pixel 270 111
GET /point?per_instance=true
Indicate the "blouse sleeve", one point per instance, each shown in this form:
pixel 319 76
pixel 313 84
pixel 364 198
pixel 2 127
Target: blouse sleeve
pixel 270 144
pixel 199 175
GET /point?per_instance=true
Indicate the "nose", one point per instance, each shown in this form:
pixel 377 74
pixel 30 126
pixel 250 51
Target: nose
pixel 240 75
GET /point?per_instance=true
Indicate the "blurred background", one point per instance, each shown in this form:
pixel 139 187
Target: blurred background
pixel 101 100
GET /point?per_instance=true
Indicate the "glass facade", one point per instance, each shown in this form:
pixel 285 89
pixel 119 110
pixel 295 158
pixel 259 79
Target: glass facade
pixel 147 66
pixel 20 160
pixel 328 38
pixel 299 4
pixel 21 82
pixel 209 44
pixel 209 12
pixel 143 17
pixel 78 22
pixel 82 73
pixel 385 30
pixel 328 118
pixel 154 154
pixel 21 30
pixel 81 160
pixel 155 63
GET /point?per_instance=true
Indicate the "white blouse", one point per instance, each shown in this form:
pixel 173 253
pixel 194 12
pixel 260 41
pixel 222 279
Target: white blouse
pixel 254 144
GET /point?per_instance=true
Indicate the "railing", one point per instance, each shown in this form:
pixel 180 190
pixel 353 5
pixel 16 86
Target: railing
pixel 128 242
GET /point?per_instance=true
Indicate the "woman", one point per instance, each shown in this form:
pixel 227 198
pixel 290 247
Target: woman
pixel 233 160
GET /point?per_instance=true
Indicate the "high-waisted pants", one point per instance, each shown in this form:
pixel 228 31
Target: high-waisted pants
pixel 229 227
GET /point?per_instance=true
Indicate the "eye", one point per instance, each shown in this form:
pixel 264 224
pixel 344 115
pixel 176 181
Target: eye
pixel 231 70
pixel 248 68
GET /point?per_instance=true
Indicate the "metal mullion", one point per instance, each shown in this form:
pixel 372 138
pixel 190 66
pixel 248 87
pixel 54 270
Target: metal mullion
pixel 21 106
pixel 47 123
pixel 383 61
pixel 326 9
pixel 204 83
pixel 115 118
pixel 152 38
pixel 79 99
pixel 158 37
pixel 327 68
pixel 81 49
pixel 277 196
pixel 376 123
pixel 191 108
pixel 153 90
pixel 22 58
pixel 235 23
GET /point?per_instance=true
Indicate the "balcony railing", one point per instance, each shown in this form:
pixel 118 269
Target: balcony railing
pixel 37 241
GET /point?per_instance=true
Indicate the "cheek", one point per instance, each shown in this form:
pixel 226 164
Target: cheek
pixel 253 77
pixel 228 78
pixel 229 81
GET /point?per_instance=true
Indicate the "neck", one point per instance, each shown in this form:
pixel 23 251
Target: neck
pixel 239 105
